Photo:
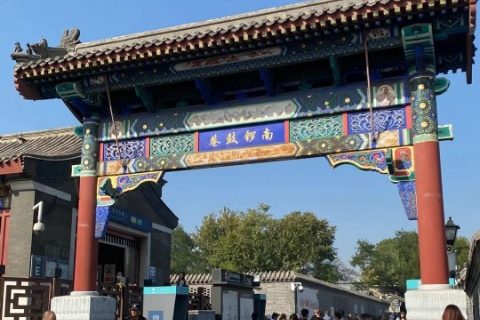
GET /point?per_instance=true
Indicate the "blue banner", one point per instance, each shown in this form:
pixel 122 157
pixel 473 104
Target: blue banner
pixel 244 137
pixel 130 220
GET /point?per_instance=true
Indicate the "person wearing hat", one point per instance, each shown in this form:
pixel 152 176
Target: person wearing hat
pixel 135 312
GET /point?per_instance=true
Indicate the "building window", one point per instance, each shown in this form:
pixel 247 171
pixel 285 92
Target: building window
pixel 5 197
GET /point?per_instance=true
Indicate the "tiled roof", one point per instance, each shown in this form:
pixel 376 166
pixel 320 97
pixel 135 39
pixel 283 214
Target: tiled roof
pixel 313 15
pixel 270 276
pixel 57 143
pixel 193 279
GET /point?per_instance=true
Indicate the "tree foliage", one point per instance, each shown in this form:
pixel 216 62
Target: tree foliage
pixel 255 241
pixel 462 247
pixel 392 261
pixel 185 255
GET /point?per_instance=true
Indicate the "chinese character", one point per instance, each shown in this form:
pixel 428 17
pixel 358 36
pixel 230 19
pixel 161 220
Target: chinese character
pixel 267 135
pixel 231 138
pixel 249 135
pixel 214 141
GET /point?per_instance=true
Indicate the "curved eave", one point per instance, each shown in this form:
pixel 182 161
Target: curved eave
pixel 355 14
pixel 472 9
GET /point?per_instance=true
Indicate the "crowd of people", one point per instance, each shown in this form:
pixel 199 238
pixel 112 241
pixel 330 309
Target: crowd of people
pixel 451 312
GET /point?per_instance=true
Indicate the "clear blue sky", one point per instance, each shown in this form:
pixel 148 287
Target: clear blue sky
pixel 361 204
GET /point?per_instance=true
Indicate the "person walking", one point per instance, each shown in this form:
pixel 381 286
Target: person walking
pixel 293 316
pixel 304 314
pixel 49 315
pixel 317 315
pixel 135 312
pixel 452 312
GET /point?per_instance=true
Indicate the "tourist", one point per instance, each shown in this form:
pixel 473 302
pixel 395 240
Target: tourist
pixel 135 312
pixel 293 316
pixel 49 315
pixel 304 314
pixel 181 282
pixel 317 315
pixel 283 316
pixel 366 316
pixel 452 312
pixel 274 316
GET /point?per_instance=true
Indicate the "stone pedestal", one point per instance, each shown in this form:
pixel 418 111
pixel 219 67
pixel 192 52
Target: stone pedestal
pixel 429 301
pixel 84 305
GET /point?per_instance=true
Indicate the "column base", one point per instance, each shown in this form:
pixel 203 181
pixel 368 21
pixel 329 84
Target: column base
pixel 429 301
pixel 84 305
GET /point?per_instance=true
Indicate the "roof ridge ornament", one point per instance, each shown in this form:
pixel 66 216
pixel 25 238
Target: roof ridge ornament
pixel 41 50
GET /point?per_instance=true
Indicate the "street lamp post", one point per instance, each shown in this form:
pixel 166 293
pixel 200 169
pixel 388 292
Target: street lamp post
pixel 295 287
pixel 451 235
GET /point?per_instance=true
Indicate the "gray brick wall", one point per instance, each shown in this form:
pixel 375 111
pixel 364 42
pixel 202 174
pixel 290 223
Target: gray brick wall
pixel 20 234
pixel 280 297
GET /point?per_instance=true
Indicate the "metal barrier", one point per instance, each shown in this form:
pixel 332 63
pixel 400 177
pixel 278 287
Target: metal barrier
pixel 125 296
pixel 29 298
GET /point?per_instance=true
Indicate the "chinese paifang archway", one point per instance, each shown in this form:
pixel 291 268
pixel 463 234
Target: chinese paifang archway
pixel 289 82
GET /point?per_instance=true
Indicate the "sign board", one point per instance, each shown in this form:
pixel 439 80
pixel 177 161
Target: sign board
pixel 50 266
pixel 226 277
pixel 152 273
pixel 109 273
pixel 37 267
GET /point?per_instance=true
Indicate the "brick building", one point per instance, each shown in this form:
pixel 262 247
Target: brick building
pixel 282 294
pixel 37 167
pixel 472 279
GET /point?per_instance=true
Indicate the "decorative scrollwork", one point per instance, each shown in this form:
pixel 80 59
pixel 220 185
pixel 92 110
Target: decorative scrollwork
pixel 128 150
pixel 315 128
pixel 162 146
pixel 408 195
pixel 382 120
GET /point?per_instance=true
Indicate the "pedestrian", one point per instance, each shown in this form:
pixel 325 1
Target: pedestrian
pixel 135 312
pixel 317 315
pixel 274 316
pixel 282 316
pixel 304 314
pixel 49 315
pixel 452 312
pixel 293 316
pixel 366 316
pixel 181 282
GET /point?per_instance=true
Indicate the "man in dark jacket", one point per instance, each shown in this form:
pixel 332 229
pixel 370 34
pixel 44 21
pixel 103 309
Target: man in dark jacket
pixel 135 312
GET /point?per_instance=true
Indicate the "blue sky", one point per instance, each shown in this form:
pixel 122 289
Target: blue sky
pixel 363 205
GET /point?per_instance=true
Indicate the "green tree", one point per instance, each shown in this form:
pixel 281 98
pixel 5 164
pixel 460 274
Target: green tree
pixel 185 255
pixel 390 262
pixel 255 241
pixel 462 247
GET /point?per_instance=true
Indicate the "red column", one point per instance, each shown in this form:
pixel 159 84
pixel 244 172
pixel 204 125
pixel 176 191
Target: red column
pixel 431 225
pixel 86 258
pixel 428 181
pixel 86 253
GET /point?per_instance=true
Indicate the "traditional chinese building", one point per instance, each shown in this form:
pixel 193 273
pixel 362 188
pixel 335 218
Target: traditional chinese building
pixel 36 167
pixel 355 82
pixel 314 294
